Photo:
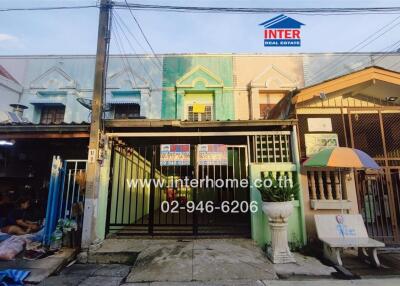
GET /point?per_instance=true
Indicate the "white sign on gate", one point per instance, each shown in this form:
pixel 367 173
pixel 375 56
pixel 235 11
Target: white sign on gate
pixel 319 124
pixel 212 154
pixel 175 154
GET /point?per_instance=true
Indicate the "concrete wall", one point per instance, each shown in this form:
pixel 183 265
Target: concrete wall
pixel 309 212
pixel 10 92
pixel 263 73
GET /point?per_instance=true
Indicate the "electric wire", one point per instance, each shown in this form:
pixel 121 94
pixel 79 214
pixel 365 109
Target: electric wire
pixel 48 8
pixel 122 23
pixel 393 65
pixel 322 72
pixel 120 29
pixel 258 10
pixel 124 59
pixel 387 51
pixel 236 10
pixel 142 32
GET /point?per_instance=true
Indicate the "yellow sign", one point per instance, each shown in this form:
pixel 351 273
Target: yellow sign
pixel 199 108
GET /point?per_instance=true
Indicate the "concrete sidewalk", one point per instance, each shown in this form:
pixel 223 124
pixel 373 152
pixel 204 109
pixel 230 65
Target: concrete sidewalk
pixel 186 260
pixel 42 268
pixel 366 282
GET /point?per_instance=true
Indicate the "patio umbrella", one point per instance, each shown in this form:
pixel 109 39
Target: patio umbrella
pixel 341 158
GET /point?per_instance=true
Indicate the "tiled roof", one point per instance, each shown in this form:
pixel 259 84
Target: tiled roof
pixel 25 122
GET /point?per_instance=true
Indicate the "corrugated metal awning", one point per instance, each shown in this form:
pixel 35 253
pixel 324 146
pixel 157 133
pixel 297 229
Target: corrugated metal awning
pixel 47 101
pixel 114 101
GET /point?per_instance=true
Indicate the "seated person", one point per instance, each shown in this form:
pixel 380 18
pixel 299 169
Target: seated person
pixel 16 222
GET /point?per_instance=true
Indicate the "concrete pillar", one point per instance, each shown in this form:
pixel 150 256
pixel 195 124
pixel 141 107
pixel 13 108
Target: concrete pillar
pixel 254 103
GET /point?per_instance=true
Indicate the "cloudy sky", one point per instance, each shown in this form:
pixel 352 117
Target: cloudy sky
pixel 75 31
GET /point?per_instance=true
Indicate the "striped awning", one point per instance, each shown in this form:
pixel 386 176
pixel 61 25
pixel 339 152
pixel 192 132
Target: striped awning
pixel 115 101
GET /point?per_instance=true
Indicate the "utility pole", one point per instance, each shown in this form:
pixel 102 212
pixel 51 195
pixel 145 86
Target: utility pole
pixel 94 160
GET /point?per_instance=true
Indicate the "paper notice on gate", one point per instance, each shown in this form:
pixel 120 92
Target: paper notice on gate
pixel 175 154
pixel 212 154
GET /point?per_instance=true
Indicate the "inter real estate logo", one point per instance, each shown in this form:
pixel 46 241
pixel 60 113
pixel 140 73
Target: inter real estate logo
pixel 282 31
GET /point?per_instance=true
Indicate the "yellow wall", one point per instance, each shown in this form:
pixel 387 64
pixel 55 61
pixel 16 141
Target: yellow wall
pixel 257 73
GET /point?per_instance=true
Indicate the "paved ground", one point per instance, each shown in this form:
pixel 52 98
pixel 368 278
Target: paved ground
pixel 40 269
pixel 201 260
pixel 89 275
pixel 204 262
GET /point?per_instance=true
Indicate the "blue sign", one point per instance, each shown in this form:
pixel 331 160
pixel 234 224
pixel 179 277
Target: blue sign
pixel 282 31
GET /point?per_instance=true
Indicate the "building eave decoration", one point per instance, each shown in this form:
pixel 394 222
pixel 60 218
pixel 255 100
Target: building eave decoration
pixel 273 78
pixel 348 80
pixel 126 78
pixel 199 74
pixel 54 78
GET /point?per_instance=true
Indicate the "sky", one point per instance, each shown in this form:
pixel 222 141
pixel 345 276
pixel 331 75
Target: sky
pixel 75 31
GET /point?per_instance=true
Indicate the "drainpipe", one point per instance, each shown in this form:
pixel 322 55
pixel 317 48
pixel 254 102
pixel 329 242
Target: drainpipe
pixel 296 158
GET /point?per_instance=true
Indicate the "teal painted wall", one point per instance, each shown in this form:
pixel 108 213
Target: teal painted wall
pixel 215 68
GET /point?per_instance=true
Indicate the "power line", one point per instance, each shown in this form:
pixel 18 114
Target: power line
pixel 394 64
pixel 125 62
pixel 356 48
pixel 142 32
pixel 259 10
pixel 119 29
pixel 48 8
pixel 156 63
pixel 388 51
pixel 139 58
pixel 236 10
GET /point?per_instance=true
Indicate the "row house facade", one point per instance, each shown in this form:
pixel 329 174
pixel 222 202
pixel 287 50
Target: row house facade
pixel 262 107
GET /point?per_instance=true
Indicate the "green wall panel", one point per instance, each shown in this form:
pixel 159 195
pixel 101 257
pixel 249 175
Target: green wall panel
pixel 176 67
pixel 260 231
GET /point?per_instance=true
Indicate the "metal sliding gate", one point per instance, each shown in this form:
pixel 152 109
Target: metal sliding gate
pixel 376 132
pixel 149 198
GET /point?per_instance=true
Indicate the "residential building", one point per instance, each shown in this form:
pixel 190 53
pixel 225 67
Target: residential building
pixel 253 110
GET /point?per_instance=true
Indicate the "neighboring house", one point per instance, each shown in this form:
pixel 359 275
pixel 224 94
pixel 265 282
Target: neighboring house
pixel 134 87
pixel 361 110
pixel 52 85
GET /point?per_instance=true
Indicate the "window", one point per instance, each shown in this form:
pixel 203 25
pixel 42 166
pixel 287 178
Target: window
pixel 267 101
pixel 265 109
pixel 126 111
pixel 52 114
pixel 197 116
